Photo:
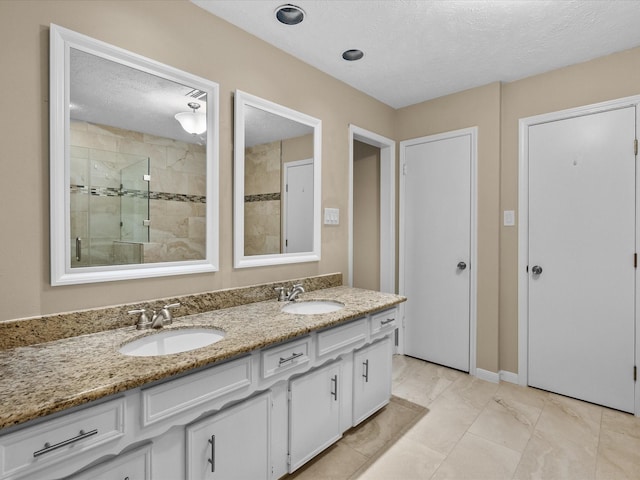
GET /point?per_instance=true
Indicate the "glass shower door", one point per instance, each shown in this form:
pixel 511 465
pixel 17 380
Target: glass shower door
pixel 134 212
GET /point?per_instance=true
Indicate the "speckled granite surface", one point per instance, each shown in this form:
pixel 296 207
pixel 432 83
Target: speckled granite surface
pixel 44 378
pixel 29 331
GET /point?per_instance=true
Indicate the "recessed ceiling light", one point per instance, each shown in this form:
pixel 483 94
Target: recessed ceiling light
pixel 352 55
pixel 289 14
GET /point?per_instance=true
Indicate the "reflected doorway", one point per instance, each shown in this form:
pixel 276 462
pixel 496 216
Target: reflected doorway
pixel 366 216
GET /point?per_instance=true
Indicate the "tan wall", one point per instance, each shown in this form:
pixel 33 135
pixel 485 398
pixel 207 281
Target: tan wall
pixel 607 78
pixel 184 36
pixel 478 107
pixel 366 216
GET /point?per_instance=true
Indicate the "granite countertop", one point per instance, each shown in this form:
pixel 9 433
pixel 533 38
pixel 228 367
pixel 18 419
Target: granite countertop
pixel 45 378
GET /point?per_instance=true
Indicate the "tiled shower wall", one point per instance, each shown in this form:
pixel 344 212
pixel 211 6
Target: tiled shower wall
pixel 177 191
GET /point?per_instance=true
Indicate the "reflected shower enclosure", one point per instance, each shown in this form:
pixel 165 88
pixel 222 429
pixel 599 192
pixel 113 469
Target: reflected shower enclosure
pixel 135 198
pixel 109 201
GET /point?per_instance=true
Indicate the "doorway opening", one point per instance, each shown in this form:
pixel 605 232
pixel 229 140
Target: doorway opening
pixel 386 193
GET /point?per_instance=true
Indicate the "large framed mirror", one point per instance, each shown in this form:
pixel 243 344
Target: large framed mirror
pixel 133 165
pixel 277 184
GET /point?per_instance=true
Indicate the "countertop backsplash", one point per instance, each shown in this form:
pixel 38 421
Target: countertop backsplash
pixel 48 328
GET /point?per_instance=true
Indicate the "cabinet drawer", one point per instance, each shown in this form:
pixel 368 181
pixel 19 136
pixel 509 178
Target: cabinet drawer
pixel 135 465
pixel 285 357
pixel 385 321
pixel 339 337
pixel 176 396
pixel 55 440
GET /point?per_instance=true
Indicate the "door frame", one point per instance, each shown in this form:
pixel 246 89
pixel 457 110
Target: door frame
pixel 473 247
pixel 523 224
pixel 387 205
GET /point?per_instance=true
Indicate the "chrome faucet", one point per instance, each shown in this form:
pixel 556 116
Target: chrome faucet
pixel 163 317
pixel 295 291
pixel 158 320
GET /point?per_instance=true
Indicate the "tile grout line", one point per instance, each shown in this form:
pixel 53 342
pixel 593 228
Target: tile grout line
pixel 533 431
pixel 463 434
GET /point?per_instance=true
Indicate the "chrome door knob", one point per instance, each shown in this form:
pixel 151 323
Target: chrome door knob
pixel 536 270
pixel 462 265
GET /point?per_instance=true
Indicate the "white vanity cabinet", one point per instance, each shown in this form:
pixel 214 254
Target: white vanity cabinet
pixel 232 444
pixel 371 379
pixel 314 413
pixel 257 416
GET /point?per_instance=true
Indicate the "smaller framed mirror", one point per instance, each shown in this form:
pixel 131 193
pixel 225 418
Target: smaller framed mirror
pixel 133 165
pixel 277 184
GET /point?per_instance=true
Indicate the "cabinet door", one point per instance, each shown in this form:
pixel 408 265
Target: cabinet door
pixel 314 413
pixel 135 465
pixel 233 444
pixel 371 379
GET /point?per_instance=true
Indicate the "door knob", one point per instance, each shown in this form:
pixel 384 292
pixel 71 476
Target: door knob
pixel 462 265
pixel 536 270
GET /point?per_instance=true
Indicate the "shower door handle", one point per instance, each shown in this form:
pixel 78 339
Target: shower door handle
pixel 78 249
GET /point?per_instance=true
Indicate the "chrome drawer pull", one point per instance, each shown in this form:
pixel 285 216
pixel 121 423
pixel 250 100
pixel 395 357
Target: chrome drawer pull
pixel 288 359
pixel 387 321
pixel 49 448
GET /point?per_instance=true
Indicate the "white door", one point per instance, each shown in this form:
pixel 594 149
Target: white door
pixel 437 249
pixel 581 257
pixel 297 221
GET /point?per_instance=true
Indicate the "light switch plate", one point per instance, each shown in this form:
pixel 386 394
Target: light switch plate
pixel 331 216
pixel 509 218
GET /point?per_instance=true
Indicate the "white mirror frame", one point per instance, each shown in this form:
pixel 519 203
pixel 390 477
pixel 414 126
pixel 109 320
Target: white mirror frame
pixel 240 260
pixel 61 40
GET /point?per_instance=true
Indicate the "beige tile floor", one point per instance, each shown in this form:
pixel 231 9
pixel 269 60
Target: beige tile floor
pixel 480 430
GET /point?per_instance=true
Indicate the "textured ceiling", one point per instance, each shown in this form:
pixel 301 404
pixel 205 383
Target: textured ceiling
pixel 109 93
pixel 416 50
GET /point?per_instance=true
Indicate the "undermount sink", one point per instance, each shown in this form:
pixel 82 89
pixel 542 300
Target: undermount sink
pixel 313 307
pixel 167 342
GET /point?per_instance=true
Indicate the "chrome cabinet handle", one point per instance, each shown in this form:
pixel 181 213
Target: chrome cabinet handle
pixel 49 448
pixel 387 321
pixel 288 359
pixel 365 374
pixel 212 460
pixel 462 265
pixel 334 393
pixel 536 270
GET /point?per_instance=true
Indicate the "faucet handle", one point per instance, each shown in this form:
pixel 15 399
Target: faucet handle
pixel 143 321
pixel 168 318
pixel 282 293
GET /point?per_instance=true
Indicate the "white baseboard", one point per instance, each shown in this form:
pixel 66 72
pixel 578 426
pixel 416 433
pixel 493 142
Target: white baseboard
pixel 502 376
pixel 508 377
pixel 487 375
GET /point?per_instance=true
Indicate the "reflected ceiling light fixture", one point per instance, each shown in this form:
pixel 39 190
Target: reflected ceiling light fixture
pixel 194 122
pixel 352 55
pixel 289 14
